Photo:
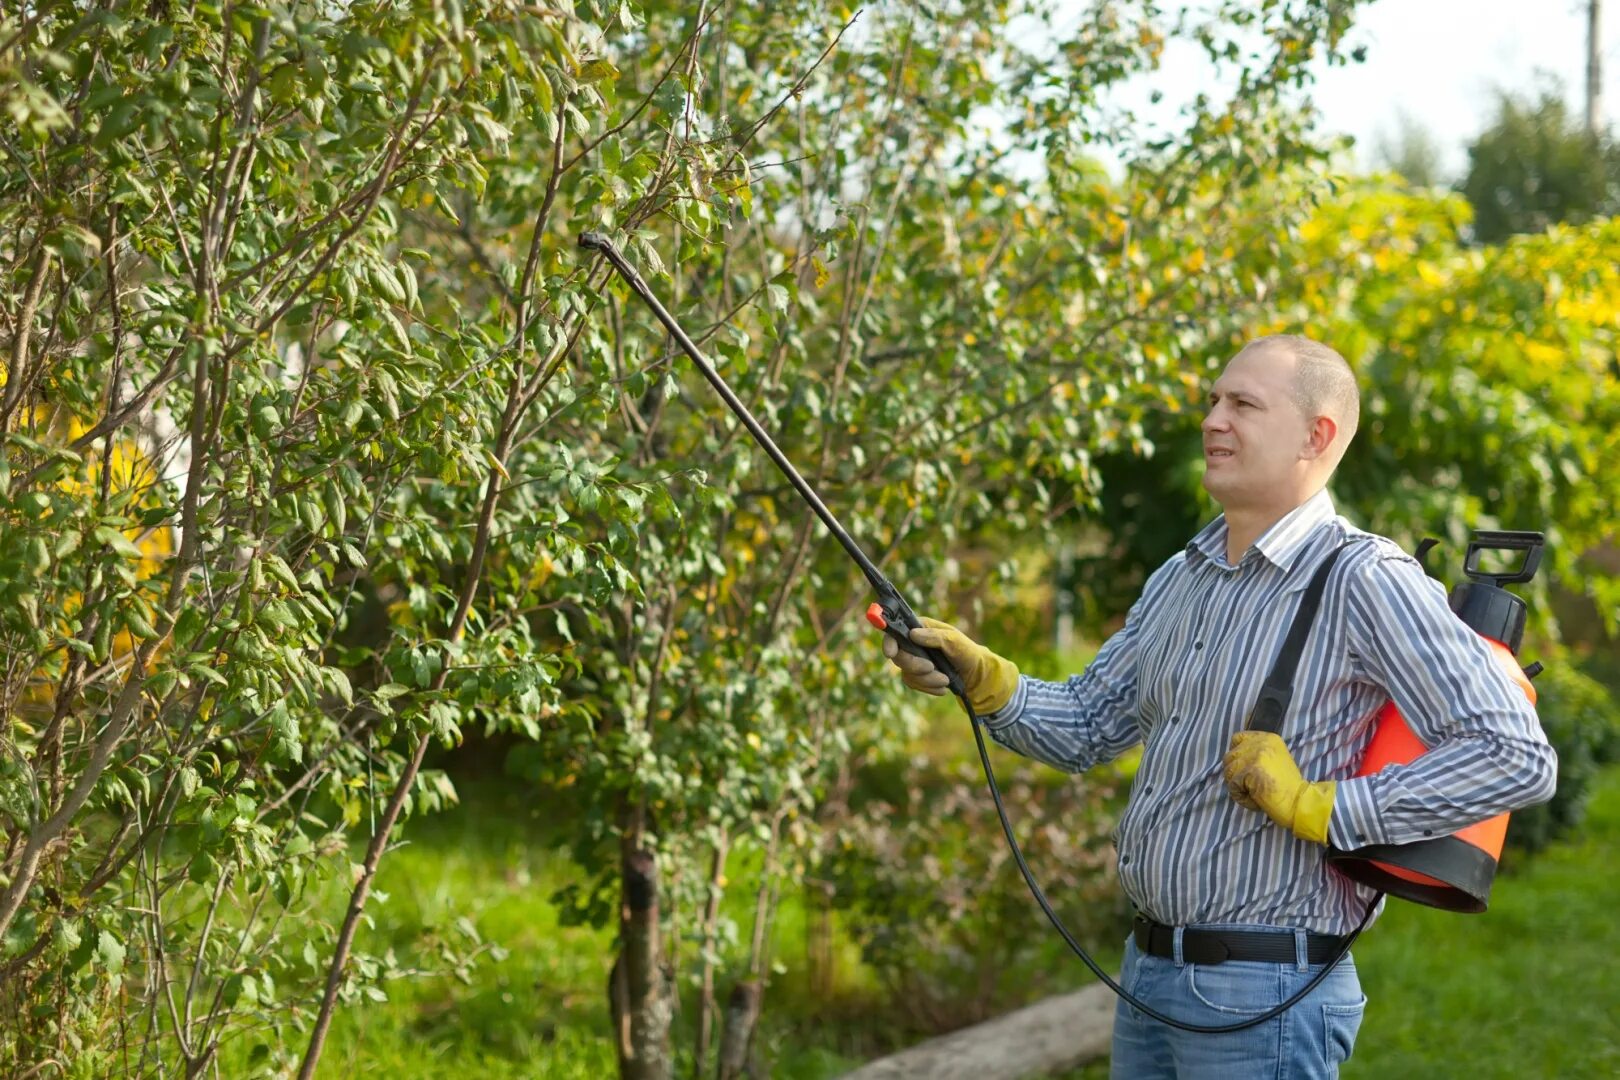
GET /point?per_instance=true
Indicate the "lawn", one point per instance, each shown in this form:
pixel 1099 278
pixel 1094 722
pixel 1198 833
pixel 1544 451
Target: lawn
pixel 1526 990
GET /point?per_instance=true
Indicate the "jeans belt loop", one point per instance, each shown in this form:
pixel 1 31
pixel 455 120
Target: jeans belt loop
pixel 1176 945
pixel 1302 949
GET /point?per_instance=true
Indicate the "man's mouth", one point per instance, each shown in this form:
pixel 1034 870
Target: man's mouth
pixel 1217 452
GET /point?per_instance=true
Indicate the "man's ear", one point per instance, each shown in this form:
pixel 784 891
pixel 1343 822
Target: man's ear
pixel 1319 437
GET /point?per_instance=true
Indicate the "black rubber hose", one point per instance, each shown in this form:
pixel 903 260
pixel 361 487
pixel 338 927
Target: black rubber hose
pixel 1124 995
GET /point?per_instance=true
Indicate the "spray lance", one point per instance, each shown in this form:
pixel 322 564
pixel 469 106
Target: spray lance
pixel 892 614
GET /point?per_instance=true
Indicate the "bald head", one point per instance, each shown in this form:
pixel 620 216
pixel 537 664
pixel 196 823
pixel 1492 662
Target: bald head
pixel 1323 383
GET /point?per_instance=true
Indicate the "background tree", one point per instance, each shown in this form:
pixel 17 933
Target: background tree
pixel 1536 166
pixel 1410 151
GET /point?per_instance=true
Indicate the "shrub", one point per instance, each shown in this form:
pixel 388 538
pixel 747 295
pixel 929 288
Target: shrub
pixel 1582 721
pixel 926 885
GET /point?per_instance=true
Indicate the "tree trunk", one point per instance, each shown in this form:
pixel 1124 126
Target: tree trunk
pixel 742 1013
pixel 1047 1037
pixel 638 989
pixel 819 954
pixel 711 916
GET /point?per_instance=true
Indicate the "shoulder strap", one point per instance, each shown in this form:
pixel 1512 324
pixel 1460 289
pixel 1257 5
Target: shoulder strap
pixel 1278 689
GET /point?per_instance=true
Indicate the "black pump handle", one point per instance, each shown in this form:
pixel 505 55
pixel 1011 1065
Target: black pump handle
pixel 1531 543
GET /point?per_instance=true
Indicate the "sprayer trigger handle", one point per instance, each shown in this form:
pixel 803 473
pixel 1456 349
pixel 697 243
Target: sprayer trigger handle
pixel 891 623
pixel 894 617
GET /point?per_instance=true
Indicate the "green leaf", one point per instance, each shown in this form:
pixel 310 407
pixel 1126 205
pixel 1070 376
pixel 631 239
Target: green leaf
pixel 110 952
pixel 138 625
pixel 396 330
pixel 116 540
pixel 388 284
pixel 210 674
pixel 67 543
pixel 407 281
pixel 339 682
pixel 310 515
pixel 282 572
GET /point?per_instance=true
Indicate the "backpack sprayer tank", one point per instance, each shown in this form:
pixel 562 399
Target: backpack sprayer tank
pixel 1451 872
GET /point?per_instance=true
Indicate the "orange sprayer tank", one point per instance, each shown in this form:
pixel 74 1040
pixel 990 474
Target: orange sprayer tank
pixel 1452 872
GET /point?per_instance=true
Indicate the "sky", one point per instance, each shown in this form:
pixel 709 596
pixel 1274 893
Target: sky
pixel 1440 61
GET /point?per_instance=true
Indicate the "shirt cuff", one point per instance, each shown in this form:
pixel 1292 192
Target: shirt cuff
pixel 1011 711
pixel 1355 821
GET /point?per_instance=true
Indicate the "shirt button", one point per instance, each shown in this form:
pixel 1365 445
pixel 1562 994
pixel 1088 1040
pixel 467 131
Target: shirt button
pixel 1148 790
pixel 1175 719
pixel 1198 644
pixel 1361 837
pixel 1124 860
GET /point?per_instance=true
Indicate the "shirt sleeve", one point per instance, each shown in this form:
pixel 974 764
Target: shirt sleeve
pixel 1089 718
pixel 1487 753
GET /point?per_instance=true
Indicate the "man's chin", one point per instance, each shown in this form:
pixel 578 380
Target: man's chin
pixel 1220 487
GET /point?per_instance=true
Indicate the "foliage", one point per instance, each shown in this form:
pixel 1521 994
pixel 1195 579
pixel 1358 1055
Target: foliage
pixel 1490 398
pixel 928 889
pixel 886 308
pixel 1537 166
pixel 1582 721
pixel 1489 393
pixel 223 659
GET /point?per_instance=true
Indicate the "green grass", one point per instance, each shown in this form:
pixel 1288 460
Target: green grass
pixel 1526 990
pixel 1523 991
pixel 541 1009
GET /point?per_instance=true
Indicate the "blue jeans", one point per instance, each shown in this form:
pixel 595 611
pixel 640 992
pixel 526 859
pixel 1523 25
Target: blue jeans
pixel 1307 1041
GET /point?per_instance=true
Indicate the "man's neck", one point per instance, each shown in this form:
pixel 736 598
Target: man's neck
pixel 1245 525
pixel 1244 528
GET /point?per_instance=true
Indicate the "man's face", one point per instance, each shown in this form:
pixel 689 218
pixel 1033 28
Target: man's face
pixel 1254 433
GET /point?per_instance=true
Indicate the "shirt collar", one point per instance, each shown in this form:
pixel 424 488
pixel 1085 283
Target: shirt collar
pixel 1280 544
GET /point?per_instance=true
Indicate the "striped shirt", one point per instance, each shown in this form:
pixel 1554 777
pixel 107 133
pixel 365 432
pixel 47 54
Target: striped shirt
pixel 1182 674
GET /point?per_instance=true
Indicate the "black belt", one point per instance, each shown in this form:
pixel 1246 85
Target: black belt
pixel 1214 946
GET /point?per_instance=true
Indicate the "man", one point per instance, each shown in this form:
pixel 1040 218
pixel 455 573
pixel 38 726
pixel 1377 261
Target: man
pixel 1226 829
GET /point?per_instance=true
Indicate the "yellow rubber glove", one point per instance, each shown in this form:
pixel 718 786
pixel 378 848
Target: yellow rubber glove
pixel 988 679
pixel 1261 775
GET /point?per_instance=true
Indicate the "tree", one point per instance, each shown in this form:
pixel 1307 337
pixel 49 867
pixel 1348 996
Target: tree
pixel 1536 166
pixel 204 277
pixel 1411 152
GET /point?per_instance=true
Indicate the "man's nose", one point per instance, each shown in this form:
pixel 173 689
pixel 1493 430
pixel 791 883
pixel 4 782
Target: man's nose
pixel 1214 419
